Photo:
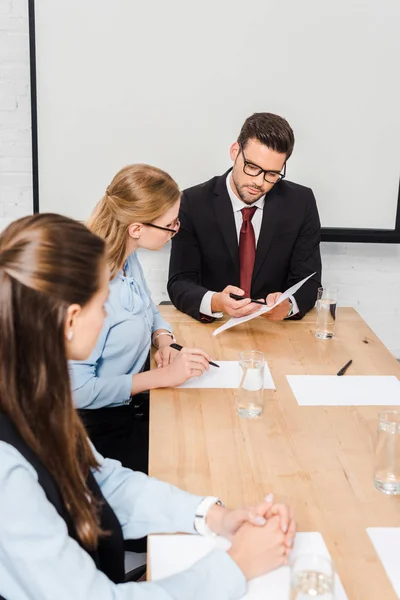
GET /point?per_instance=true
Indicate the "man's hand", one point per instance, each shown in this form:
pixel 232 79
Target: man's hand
pixel 221 302
pixel 281 311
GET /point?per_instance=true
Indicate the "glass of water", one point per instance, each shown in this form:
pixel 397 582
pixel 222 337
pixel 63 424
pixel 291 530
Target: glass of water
pixel 312 576
pixel 326 313
pixel 387 470
pixel 250 392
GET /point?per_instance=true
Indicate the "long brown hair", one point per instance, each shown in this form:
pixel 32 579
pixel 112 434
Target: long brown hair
pixel 137 194
pixel 48 262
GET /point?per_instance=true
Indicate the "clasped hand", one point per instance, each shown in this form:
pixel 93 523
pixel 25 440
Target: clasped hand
pixel 262 535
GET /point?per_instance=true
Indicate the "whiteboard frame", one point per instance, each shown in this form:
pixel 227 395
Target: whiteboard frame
pixel 328 234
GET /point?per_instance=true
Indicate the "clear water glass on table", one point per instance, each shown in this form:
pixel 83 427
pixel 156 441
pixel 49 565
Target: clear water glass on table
pixel 326 313
pixel 387 455
pixel 250 392
pixel 312 576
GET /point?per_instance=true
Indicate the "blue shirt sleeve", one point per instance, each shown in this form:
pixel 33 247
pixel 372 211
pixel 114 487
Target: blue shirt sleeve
pixel 91 391
pixel 105 379
pixel 38 559
pixel 144 505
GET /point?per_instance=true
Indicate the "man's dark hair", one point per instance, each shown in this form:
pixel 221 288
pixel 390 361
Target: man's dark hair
pixel 269 129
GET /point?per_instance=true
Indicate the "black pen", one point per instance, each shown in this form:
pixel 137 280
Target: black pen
pixel 343 370
pixel 179 348
pixel 237 297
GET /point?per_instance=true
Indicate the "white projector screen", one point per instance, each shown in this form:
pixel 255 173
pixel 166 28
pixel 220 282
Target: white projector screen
pixel 170 83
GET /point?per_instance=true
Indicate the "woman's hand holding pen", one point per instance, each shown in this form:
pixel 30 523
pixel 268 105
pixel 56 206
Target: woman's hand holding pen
pixel 189 362
pixel 165 355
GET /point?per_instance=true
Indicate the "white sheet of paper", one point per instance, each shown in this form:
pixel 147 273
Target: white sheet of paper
pixel 227 377
pixel 386 541
pixel 170 554
pixel 264 309
pixel 348 390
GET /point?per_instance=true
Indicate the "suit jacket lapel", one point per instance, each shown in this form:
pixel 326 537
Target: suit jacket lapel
pixel 271 216
pixel 226 220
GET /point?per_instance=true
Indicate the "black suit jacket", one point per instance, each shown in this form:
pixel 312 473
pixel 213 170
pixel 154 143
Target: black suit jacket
pixel 205 252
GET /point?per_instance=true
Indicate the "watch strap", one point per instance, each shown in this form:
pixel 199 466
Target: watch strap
pixel 200 524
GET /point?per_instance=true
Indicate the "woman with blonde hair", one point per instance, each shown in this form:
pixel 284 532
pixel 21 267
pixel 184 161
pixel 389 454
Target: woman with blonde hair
pixel 139 210
pixel 65 510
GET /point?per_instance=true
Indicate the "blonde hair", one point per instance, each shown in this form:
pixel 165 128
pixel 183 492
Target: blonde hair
pixel 138 193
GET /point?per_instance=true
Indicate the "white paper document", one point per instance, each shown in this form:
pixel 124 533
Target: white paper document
pixel 348 390
pixel 228 376
pixel 386 541
pixel 170 554
pixel 264 309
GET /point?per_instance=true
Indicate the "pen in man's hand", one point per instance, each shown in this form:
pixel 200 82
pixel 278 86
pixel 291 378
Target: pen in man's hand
pixel 343 370
pixel 237 297
pixel 179 348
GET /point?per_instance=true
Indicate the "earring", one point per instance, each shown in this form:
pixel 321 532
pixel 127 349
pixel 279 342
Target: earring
pixel 70 335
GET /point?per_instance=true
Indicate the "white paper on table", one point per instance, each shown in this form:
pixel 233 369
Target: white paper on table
pixel 228 376
pixel 348 390
pixel 386 541
pixel 264 309
pixel 170 554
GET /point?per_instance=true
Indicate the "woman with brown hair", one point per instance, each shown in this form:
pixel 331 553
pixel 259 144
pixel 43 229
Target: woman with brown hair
pixel 139 210
pixel 65 510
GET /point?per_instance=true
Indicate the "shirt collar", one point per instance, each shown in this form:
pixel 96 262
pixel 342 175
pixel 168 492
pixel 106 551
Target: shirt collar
pixel 238 204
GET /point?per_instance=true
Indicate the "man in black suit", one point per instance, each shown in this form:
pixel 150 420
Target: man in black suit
pixel 248 232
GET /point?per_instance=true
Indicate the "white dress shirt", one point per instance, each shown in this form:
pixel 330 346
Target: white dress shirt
pixel 237 206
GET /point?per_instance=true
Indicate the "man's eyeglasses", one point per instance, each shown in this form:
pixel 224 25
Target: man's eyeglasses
pixel 254 170
pixel 173 231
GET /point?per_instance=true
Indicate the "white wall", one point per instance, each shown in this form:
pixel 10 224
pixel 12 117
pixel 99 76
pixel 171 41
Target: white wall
pixel 368 275
pixel 95 90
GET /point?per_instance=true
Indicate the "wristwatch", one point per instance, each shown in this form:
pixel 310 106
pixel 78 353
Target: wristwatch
pixel 157 335
pixel 200 524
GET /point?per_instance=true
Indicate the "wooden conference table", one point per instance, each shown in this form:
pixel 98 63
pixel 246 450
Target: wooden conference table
pixel 318 459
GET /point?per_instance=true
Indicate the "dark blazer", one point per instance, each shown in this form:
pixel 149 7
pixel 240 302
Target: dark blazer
pixel 205 252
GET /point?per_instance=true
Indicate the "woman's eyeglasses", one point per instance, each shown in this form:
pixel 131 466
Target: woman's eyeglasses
pixel 173 231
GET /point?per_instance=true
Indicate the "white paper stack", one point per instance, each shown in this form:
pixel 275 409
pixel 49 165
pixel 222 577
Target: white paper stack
pixel 170 554
pixel 227 376
pixel 348 390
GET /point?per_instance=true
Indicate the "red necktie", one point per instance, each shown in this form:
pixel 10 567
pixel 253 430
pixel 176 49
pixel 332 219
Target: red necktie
pixel 247 249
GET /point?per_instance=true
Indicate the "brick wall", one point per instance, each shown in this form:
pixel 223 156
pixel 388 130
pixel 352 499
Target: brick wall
pixel 15 122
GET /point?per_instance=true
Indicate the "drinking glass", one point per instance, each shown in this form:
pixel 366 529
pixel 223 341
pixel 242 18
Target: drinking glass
pixel 326 313
pixel 387 469
pixel 249 395
pixel 312 576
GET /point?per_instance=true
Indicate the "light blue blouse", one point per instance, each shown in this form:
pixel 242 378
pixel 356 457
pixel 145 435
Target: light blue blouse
pixel 105 378
pixel 39 561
